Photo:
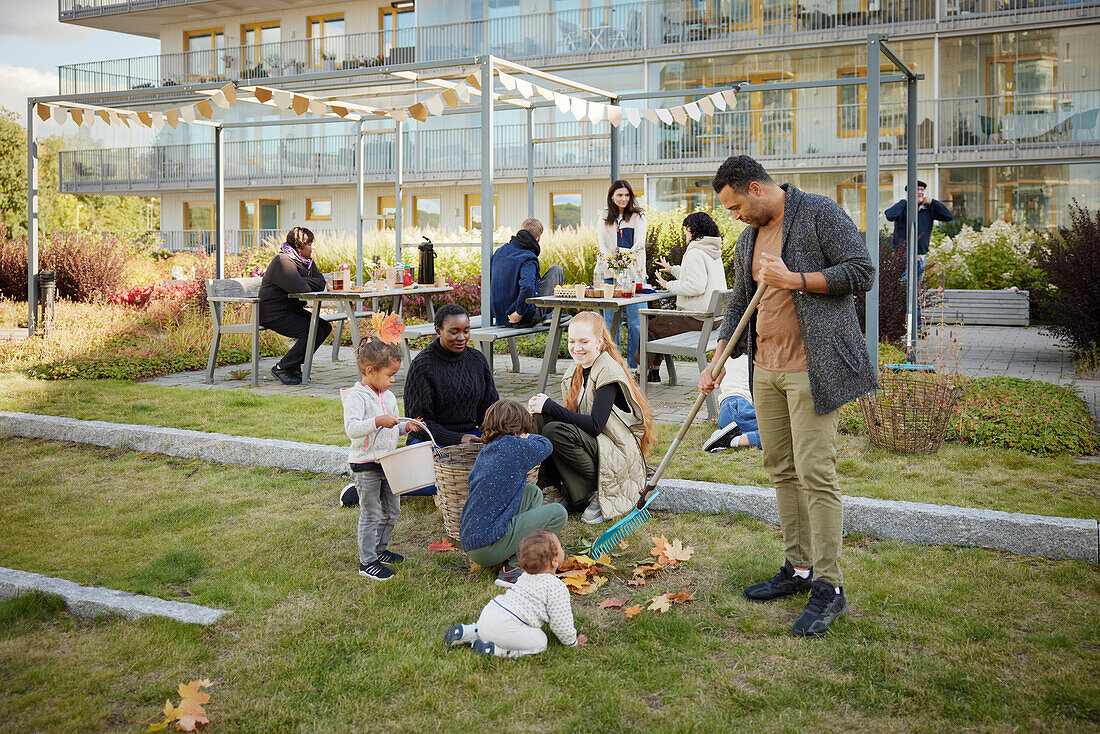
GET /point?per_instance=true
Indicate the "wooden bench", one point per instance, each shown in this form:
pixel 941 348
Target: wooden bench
pixel 247 290
pixel 985 307
pixel 691 344
pixel 484 339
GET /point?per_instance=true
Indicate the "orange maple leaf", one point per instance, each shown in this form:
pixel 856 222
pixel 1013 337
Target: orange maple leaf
pixel 624 545
pixel 189 722
pixel 642 571
pixel 660 603
pixel 636 582
pixel 573 563
pixel 681 597
pixel 612 603
pixel 670 553
pixel 387 327
pixel 441 546
pixel 633 611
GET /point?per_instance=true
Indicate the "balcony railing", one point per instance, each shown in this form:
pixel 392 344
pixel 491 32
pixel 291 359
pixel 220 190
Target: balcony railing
pixel 1049 118
pixel 74 9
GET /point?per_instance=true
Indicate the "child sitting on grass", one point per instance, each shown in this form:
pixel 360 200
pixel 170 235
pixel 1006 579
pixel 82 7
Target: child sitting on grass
pixel 370 420
pixel 510 625
pixel 502 508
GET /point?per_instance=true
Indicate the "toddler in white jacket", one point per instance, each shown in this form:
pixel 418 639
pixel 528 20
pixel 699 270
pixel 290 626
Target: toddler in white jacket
pixel 370 420
pixel 510 625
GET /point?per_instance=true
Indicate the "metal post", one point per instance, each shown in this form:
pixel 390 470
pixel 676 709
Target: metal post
pixel 398 205
pixel 32 222
pixel 613 138
pixel 530 161
pixel 359 206
pixel 871 212
pixel 911 215
pixel 219 202
pixel 487 223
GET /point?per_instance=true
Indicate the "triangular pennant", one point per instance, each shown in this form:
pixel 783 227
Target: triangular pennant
pixel 718 100
pixel 205 109
pixel 338 110
pixel 578 108
pixel 596 111
pixel 157 118
pixel 282 99
pixel 562 102
pixel 679 114
pixel 507 80
pixel 474 82
pixel 262 94
pixel 187 113
pixel 633 115
pixel 400 114
pixel 317 107
pixel 60 114
pixel 112 117
pixel 419 111
pixel 664 115
pixel 102 114
pixel 525 88
pixel 43 111
pixel 218 100
pixel 124 119
pixel 692 110
pixel 77 115
pixel 731 98
pixel 229 91
pixel 172 117
pixel 450 98
pixel 434 104
pixel 706 106
pixel 614 114
pixel 299 104
pixel 547 94
pixel 462 91
pixel 145 118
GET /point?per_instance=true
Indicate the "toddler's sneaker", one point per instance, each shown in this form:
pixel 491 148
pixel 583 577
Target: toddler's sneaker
pixel 375 570
pixel 349 496
pixel 592 514
pixel 508 576
pixel 461 634
pixel 388 556
pixel 484 648
pixel 552 495
pixel 722 439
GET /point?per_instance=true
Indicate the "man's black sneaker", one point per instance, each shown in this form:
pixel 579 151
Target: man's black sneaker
pixel 388 556
pixel 349 496
pixel 653 376
pixel 375 570
pixel 285 377
pixel 781 585
pixel 825 605
pixel 508 576
pixel 722 439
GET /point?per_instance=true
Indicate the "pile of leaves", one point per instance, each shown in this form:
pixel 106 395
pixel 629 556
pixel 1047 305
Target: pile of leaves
pixel 582 575
pixel 189 714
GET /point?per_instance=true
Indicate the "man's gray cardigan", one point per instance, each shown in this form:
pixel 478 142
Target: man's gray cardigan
pixel 817 236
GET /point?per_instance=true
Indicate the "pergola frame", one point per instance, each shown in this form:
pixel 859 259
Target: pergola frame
pixel 487 66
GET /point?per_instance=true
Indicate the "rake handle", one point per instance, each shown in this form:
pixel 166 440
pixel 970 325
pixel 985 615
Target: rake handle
pixel 722 357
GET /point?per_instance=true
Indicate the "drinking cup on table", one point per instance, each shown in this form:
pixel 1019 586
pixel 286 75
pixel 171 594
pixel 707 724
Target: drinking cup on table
pixel 638 287
pixel 609 290
pixel 581 288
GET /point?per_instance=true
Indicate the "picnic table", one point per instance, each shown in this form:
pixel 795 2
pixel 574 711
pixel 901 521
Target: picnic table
pixel 572 303
pixel 347 300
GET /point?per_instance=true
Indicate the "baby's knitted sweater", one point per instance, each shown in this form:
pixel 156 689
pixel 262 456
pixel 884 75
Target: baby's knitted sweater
pixel 540 598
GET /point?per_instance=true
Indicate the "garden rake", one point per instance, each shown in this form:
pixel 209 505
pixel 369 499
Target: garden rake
pixel 633 519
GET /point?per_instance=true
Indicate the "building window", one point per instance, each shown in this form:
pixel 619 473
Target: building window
pixel 1027 83
pixel 204 50
pixel 260 214
pixel 426 212
pixel 851 104
pixel 565 210
pixel 258 40
pixel 852 198
pixel 198 219
pixel 473 211
pixel 318 209
pixel 387 212
pixel 398 26
pixel 326 39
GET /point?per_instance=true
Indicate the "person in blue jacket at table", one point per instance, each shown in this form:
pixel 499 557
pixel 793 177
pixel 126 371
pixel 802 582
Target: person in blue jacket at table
pixel 514 278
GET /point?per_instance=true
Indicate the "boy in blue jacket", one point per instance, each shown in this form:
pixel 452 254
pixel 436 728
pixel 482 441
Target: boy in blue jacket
pixel 515 277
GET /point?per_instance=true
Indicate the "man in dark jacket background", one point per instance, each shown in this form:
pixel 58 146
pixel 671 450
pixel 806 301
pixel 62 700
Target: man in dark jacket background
pixel 929 210
pixel 514 273
pixel 807 358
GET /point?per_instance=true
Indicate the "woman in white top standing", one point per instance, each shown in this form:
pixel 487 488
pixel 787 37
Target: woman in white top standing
pixel 622 226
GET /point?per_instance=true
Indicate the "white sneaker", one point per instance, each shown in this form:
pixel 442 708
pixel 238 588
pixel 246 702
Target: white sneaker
pixel 722 438
pixel 592 514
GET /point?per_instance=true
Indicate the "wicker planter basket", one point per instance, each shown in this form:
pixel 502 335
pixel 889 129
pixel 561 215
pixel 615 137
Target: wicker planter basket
pixel 452 469
pixel 909 414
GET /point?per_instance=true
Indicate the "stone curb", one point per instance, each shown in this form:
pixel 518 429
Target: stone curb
pixel 215 447
pixel 913 522
pixel 95 601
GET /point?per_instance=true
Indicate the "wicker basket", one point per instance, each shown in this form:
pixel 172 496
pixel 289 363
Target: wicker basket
pixel 909 414
pixel 452 470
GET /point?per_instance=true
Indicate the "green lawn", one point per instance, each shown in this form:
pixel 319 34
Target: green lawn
pixel 959 474
pixel 940 639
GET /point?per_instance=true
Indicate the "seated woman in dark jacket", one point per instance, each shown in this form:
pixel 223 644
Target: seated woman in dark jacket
pixel 292 271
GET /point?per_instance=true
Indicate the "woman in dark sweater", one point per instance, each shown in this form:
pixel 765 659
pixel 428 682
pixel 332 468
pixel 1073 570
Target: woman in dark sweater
pixel 292 271
pixel 450 385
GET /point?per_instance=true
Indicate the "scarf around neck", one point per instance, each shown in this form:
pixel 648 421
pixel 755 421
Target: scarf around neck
pixel 288 250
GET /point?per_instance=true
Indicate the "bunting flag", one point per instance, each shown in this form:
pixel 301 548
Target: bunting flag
pixel 205 109
pixel 146 118
pixel 450 97
pixel 596 111
pixel 77 114
pixel 525 88
pixel 615 115
pixel 462 91
pixel 547 94
pixel 219 100
pixel 578 108
pixel 507 80
pixel 706 106
pixel 633 115
pixel 678 114
pixel 693 111
pixel 434 104
pixel 172 117
pixel 419 111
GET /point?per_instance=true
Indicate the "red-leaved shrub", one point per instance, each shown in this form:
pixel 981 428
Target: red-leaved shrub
pixel 1072 265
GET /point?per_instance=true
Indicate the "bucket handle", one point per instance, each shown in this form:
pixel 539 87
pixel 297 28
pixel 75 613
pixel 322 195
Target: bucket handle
pixel 426 429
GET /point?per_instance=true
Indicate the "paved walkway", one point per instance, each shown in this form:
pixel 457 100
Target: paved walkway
pixel 982 351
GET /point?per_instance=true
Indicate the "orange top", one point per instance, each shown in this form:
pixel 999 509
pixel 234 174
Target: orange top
pixel 779 345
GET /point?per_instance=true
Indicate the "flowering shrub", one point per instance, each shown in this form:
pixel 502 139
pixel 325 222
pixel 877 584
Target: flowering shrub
pixel 140 295
pixel 999 256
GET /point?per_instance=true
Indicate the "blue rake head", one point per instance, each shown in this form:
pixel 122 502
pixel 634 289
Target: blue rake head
pixel 618 532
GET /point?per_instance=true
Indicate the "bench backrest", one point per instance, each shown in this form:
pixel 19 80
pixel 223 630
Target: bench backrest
pixel 718 302
pixel 233 287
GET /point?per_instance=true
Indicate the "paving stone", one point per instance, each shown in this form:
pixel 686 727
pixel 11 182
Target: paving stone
pixel 96 601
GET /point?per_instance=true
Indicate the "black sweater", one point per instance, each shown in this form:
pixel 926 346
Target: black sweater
pixel 449 392
pixel 285 275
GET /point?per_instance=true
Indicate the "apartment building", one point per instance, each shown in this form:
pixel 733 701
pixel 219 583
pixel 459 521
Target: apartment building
pixel 1008 108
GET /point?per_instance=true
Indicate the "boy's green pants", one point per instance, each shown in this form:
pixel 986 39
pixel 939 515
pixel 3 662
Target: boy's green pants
pixel 531 515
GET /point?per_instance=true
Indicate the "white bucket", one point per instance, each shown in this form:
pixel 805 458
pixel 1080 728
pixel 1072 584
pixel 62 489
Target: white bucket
pixel 410 468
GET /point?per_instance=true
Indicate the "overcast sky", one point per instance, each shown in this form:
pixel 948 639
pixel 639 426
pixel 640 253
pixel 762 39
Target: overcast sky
pixel 33 44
